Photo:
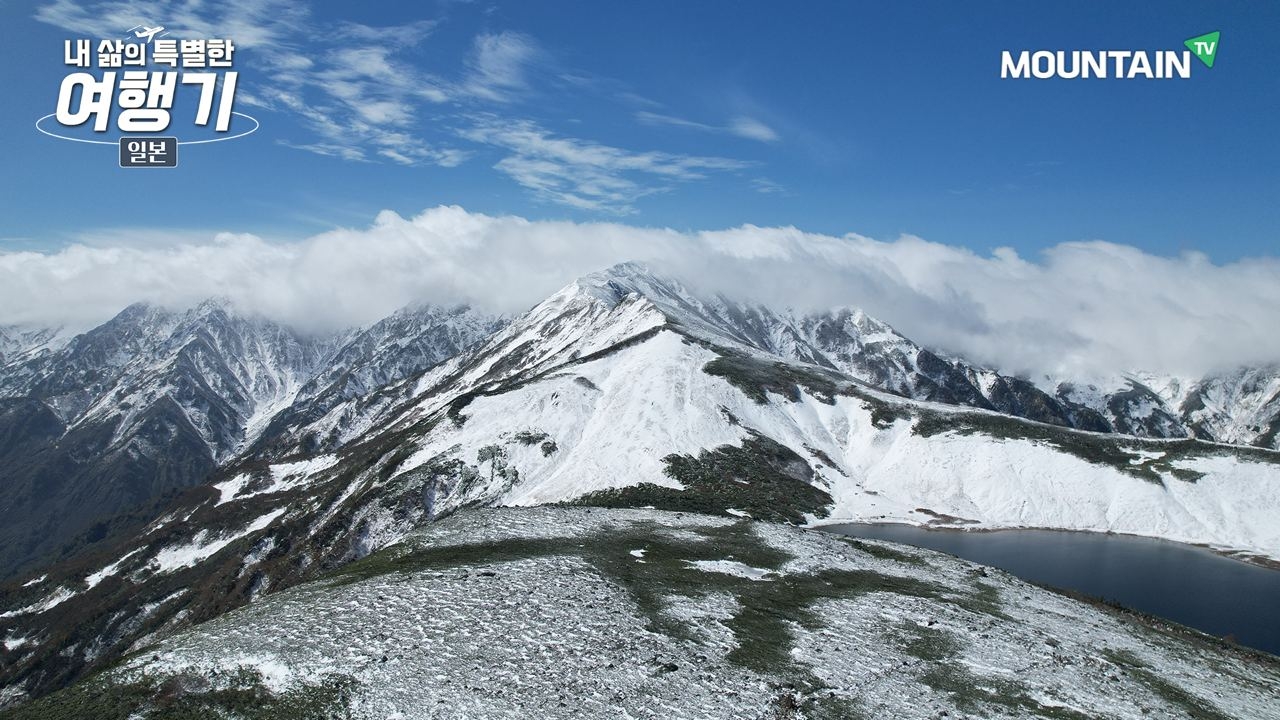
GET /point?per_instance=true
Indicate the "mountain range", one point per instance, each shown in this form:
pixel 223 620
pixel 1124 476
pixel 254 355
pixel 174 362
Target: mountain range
pixel 100 424
pixel 169 466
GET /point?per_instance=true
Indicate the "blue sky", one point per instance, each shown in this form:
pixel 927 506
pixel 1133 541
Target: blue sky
pixel 833 117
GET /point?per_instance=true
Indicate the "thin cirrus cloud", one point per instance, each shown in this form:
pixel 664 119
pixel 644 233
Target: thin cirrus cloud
pixel 498 67
pixel 741 126
pixel 752 129
pixel 1082 309
pixel 765 186
pixel 584 174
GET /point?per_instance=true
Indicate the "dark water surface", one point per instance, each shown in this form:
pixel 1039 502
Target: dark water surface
pixel 1189 585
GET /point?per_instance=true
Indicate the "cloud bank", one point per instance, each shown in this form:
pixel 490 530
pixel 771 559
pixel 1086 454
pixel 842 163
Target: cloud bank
pixel 1083 308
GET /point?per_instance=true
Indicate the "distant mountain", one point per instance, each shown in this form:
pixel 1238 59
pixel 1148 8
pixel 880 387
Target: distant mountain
pixel 625 389
pixel 1240 407
pixel 400 346
pixel 147 403
pixel 155 400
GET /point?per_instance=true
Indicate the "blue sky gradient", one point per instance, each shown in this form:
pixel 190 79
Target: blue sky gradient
pixel 833 117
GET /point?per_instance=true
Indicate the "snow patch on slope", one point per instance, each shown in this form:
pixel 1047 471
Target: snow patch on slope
pixel 733 567
pixel 51 601
pixel 203 546
pixel 106 572
pixel 284 476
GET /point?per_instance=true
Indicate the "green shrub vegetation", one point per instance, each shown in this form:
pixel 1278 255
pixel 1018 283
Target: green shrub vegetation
pixel 762 478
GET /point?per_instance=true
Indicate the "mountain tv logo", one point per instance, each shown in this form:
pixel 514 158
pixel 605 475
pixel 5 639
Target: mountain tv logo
pixel 1119 64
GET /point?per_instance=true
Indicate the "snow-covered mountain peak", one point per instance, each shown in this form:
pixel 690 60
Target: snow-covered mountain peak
pixel 612 285
pixel 415 337
pixel 726 320
pixel 1241 406
pixel 137 312
pixel 214 306
pixel 586 316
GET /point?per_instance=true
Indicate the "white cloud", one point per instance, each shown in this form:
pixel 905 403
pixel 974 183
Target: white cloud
pixel 652 118
pixel 406 35
pixel 1084 307
pixel 585 174
pixel 261 23
pixel 346 152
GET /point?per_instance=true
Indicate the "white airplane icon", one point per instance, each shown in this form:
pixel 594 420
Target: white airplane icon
pixel 147 33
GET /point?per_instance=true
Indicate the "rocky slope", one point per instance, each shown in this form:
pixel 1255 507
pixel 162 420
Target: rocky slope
pixel 573 613
pixel 18 344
